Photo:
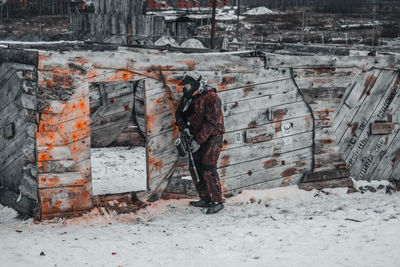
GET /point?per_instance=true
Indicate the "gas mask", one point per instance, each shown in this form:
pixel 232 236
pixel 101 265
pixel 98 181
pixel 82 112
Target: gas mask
pixel 188 90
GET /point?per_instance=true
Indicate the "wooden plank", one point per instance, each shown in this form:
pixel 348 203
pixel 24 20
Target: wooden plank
pixel 11 175
pixel 378 128
pixel 163 123
pixel 318 95
pixel 325 72
pixel 301 158
pixel 58 200
pixel 24 206
pixel 318 185
pixel 265 149
pixel 80 149
pixel 339 113
pixel 141 61
pixel 53 153
pixel 111 119
pixel 26 57
pixel 56 166
pixel 24 145
pixel 235 94
pixel 7 113
pixel 303 62
pixel 20 126
pixel 355 100
pixel 28 187
pixel 332 81
pixel 262 180
pixel 272 183
pixel 381 152
pixel 161 104
pixel 54 180
pixel 365 113
pixel 9 85
pixel 260 117
pixel 104 136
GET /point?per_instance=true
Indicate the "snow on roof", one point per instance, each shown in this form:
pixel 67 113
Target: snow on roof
pixel 166 40
pixel 262 10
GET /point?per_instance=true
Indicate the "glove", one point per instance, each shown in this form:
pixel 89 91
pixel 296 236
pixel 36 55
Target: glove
pixel 195 146
pixel 186 132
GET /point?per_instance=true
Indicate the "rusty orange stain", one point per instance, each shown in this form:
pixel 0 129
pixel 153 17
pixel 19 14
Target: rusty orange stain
pixel 223 186
pixel 252 124
pixel 324 70
pixel 81 60
pixel 247 90
pixel 326 141
pixel 369 83
pixel 190 63
pixel 278 117
pixel 80 125
pixel 126 107
pixel 224 145
pixel 41 59
pixel 325 111
pixel 224 163
pixel 82 105
pixel 43 156
pixel 93 73
pixel 288 172
pixel 270 163
pixel 121 75
pixel 151 119
pixel 158 165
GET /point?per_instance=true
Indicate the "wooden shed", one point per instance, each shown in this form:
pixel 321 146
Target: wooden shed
pixel 277 134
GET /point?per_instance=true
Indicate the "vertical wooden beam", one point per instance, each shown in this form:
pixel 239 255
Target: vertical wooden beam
pixel 214 7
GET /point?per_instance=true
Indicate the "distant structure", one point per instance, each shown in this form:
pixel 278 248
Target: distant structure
pixel 187 4
pixel 156 4
pixel 220 3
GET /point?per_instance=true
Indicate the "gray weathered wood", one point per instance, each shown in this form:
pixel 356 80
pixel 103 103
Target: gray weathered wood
pixel 381 128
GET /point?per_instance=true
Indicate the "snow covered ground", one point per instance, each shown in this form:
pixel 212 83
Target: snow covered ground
pixel 276 227
pixel 118 169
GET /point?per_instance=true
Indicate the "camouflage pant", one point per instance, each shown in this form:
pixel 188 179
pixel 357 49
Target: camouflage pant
pixel 206 159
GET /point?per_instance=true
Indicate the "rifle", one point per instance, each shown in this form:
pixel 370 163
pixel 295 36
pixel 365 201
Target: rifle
pixel 183 144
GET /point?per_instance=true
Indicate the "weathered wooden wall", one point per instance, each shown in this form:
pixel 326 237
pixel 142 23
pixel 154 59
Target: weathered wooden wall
pixel 268 139
pixel 113 109
pixel 269 126
pixel 367 125
pixel 115 21
pixel 326 82
pixel 283 116
pixel 18 81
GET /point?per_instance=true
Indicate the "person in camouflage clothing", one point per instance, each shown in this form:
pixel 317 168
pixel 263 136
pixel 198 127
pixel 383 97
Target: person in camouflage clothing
pixel 200 116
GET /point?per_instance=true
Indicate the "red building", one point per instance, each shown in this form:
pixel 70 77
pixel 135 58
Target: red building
pixel 220 3
pixel 155 4
pixel 187 3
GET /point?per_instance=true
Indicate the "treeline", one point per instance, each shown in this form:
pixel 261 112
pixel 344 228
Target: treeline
pixel 331 6
pixel 14 8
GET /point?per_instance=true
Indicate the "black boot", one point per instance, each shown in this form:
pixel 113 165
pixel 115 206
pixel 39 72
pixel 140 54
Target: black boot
pixel 200 204
pixel 215 207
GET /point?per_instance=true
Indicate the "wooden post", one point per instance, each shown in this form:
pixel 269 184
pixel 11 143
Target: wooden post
pixel 214 7
pixel 238 20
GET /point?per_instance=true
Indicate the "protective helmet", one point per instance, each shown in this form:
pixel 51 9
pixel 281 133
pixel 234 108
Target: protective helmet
pixel 191 77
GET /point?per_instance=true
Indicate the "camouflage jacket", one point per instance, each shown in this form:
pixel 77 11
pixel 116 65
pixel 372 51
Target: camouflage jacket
pixel 204 115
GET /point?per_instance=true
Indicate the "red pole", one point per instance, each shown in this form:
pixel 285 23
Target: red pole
pixel 214 7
